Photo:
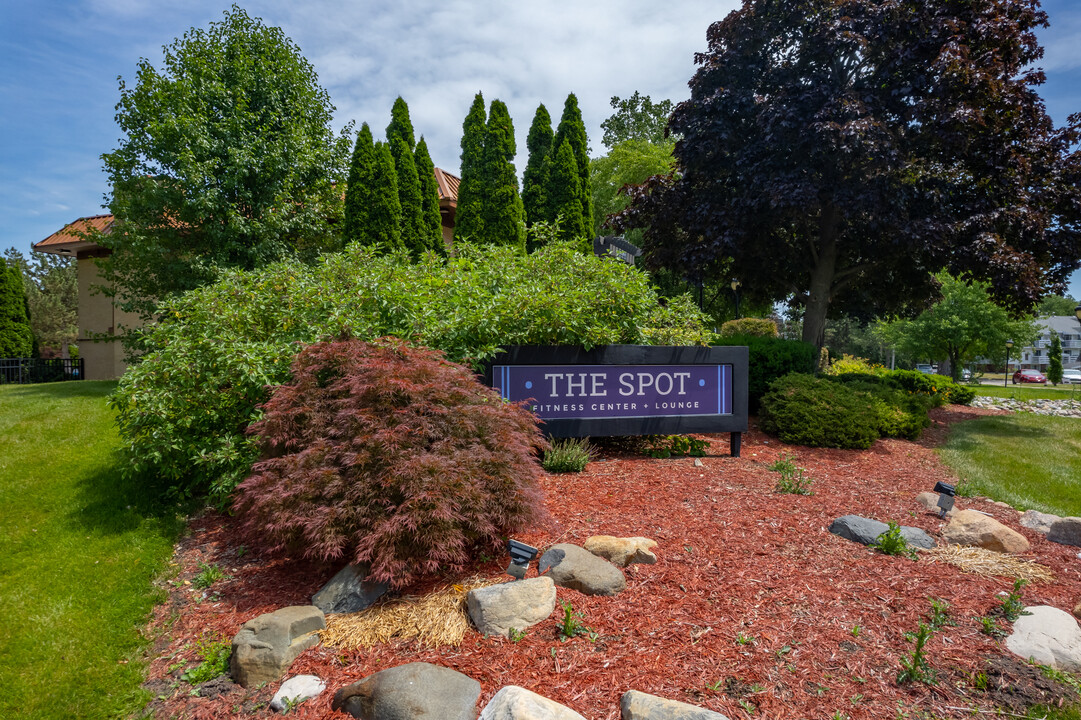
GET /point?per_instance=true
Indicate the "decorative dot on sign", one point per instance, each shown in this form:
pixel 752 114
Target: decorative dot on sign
pixel 528 384
pixel 701 383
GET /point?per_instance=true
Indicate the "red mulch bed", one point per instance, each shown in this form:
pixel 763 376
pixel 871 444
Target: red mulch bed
pixel 734 557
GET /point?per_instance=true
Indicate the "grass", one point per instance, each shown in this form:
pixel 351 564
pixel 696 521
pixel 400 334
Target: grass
pixel 80 549
pixel 1030 392
pixel 1032 462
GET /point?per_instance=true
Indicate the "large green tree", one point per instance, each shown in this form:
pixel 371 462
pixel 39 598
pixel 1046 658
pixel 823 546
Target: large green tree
pixel 51 286
pixel 373 212
pixel 468 219
pixel 629 162
pixel 535 178
pixel 565 197
pixel 1056 305
pixel 1054 359
pixel 963 325
pixel 636 118
pixel 16 337
pixel 573 130
pixel 502 212
pixel 842 152
pixel 227 160
pixel 401 127
pixel 429 197
pixel 400 140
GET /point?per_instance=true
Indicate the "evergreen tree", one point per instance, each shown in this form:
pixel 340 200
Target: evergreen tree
pixel 358 190
pixel 415 237
pixel 386 212
pixel 468 223
pixel 1054 356
pixel 534 181
pixel 429 197
pixel 401 127
pixel 501 209
pixel 372 210
pixel 572 129
pixel 16 338
pixel 565 196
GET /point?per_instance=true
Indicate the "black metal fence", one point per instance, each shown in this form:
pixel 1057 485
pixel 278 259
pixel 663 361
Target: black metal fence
pixel 37 370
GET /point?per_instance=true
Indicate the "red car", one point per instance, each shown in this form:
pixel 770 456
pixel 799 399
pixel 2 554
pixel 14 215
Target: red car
pixel 1029 376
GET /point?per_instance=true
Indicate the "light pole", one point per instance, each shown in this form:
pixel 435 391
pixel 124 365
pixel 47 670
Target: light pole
pixel 735 294
pixel 1009 344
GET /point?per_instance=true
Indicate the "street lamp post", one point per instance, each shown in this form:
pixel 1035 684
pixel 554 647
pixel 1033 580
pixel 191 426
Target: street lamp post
pixel 735 293
pixel 1006 376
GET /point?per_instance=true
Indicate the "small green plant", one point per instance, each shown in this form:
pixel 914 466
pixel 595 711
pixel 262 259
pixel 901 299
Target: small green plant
pixel 748 707
pixel 240 550
pixel 291 703
pixel 980 681
pixel 208 575
pixel 744 639
pixel 215 661
pixel 665 446
pixel 855 631
pixel 715 687
pixel 792 480
pixel 572 625
pixel 838 715
pixel 516 635
pixel 915 667
pixel 1061 677
pixel 940 614
pixel 989 626
pixel 568 455
pixel 892 542
pixel 1012 606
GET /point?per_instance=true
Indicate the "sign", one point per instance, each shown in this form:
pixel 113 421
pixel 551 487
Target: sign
pixel 627 389
pixel 615 246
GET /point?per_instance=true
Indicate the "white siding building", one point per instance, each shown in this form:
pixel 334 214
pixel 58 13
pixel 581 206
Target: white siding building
pixel 1069 334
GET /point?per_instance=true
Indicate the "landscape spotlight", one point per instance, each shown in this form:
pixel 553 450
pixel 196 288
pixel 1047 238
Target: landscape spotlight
pixel 945 497
pixel 520 557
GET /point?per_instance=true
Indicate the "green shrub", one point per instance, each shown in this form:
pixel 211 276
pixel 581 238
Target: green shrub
pixel 758 327
pixel 897 414
pixel 392 457
pixel 939 388
pixel 892 542
pixel 770 359
pixel 208 363
pixel 803 410
pixel 567 455
pixel 852 364
pixel 666 446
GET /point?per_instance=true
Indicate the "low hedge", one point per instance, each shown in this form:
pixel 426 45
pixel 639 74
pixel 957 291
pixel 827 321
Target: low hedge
pixel 770 358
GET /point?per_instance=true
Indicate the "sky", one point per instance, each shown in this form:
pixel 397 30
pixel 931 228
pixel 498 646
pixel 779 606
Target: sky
pixel 60 60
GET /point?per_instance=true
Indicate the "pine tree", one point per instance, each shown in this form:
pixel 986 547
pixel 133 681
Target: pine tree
pixel 401 127
pixel 16 338
pixel 502 211
pixel 372 209
pixel 572 129
pixel 539 145
pixel 429 197
pixel 565 196
pixel 468 223
pixel 415 237
pixel 1054 363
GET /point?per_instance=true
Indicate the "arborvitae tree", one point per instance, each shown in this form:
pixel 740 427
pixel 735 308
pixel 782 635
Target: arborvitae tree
pixel 468 222
pixel 415 236
pixel 539 145
pixel 16 338
pixel 358 190
pixel 565 196
pixel 373 213
pixel 1054 360
pixel 429 197
pixel 400 125
pixel 501 209
pixel 386 213
pixel 572 128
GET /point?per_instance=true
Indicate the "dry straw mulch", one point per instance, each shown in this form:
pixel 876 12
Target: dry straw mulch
pixel 989 563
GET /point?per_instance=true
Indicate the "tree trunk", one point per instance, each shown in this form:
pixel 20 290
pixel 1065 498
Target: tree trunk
pixel 818 297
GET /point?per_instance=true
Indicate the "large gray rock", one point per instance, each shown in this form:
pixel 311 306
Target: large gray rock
pixel 416 691
pixel 349 591
pixel 1038 521
pixel 517 703
pixel 267 645
pixel 973 528
pixel 496 609
pixel 865 531
pixel 622 551
pixel 1066 531
pixel 297 690
pixel 576 568
pixel 641 706
pixel 1049 636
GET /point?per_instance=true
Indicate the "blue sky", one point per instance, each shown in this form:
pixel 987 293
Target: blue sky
pixel 59 63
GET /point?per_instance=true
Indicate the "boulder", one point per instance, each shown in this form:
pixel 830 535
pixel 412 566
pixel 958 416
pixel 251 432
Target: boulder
pixel 517 703
pixel 970 527
pixel 349 591
pixel 520 604
pixel 1038 521
pixel 1066 531
pixel 865 531
pixel 573 567
pixel 416 691
pixel 1049 636
pixel 267 645
pixel 297 690
pixel 622 551
pixel 1077 610
pixel 641 706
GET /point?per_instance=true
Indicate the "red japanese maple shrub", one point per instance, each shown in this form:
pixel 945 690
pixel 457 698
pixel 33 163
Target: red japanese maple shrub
pixel 390 456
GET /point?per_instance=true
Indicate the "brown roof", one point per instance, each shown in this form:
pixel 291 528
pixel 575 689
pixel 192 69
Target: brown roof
pixel 448 186
pixel 69 240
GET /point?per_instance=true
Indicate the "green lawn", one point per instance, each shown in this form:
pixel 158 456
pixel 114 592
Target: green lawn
pixel 1032 462
pixel 1031 392
pixel 79 549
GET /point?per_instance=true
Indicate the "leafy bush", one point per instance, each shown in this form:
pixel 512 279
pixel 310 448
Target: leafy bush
pixel 852 364
pixel 939 388
pixel 892 542
pixel 758 327
pixel 567 455
pixel 769 359
pixel 207 364
pixel 389 456
pixel 665 446
pixel 803 410
pixel 897 414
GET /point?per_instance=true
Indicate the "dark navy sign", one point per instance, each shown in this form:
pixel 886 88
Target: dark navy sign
pixel 617 391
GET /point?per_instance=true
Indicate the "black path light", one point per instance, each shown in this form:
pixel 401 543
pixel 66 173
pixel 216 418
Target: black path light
pixel 1009 345
pixel 520 557
pixel 946 494
pixel 735 293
